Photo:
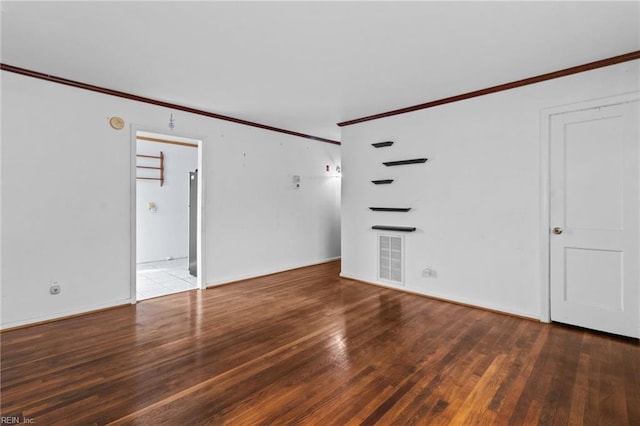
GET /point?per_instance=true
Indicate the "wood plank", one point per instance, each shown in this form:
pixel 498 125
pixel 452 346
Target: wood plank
pixel 166 141
pixel 308 347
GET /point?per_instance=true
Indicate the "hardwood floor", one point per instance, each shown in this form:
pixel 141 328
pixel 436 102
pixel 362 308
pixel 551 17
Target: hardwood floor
pixel 307 347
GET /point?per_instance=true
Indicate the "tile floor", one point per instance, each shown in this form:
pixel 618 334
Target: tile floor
pixel 165 277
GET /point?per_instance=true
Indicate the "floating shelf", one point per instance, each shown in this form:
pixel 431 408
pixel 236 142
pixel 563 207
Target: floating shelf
pixel 403 162
pixel 382 181
pixel 382 144
pixel 394 228
pixel 390 209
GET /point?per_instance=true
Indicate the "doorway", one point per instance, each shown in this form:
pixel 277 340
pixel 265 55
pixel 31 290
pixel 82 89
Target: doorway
pixel 166 215
pixel 594 217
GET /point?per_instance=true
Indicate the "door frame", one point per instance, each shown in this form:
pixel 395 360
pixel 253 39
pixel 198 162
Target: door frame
pixel 545 180
pixel 133 147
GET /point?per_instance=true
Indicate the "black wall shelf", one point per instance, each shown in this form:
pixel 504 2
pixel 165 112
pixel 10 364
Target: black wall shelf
pixel 390 209
pixel 382 144
pixel 403 162
pixel 394 228
pixel 382 181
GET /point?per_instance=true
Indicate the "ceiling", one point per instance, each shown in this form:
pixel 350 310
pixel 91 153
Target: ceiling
pixel 305 66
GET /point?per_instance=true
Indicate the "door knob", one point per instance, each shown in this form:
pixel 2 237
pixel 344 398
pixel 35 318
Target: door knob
pixel 557 230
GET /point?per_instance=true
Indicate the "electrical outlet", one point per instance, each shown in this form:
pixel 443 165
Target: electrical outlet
pixel 54 288
pixel 429 273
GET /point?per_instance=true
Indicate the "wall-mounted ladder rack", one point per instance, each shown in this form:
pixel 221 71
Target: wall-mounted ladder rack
pixel 160 169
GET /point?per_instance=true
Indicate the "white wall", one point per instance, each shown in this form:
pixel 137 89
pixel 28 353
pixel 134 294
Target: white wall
pixel 476 202
pixel 262 216
pixel 164 233
pixel 66 202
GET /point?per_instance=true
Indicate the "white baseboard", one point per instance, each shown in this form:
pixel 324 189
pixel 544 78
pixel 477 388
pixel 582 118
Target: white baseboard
pixel 447 298
pixel 241 277
pixel 65 314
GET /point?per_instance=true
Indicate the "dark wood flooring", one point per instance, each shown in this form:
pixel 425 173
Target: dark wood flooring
pixel 307 347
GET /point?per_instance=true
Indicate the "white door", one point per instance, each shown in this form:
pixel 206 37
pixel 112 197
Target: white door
pixel 595 218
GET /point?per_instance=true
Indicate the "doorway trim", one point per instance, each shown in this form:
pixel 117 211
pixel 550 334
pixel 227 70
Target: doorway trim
pixel 545 181
pixel 133 148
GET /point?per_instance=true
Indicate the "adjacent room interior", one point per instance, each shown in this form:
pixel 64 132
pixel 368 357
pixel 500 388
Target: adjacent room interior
pixel 166 214
pixel 320 213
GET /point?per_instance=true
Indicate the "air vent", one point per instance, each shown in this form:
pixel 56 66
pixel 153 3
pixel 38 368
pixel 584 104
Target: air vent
pixel 390 252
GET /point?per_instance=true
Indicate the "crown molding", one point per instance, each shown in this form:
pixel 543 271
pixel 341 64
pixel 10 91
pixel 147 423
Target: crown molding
pixel 507 86
pixel 177 107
